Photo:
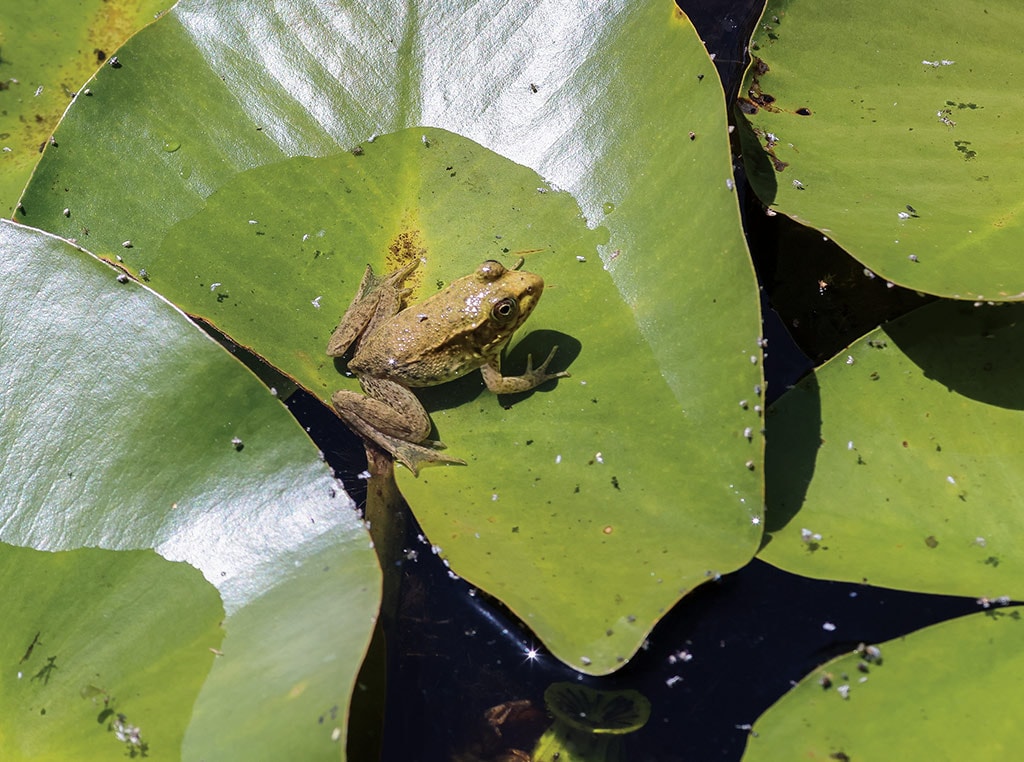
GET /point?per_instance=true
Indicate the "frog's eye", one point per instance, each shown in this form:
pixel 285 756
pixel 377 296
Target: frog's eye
pixel 505 310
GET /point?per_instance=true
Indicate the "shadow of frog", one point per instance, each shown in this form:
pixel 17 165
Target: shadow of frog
pixel 471 386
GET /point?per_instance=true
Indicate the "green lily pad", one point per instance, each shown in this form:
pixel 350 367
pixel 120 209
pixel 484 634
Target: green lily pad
pixel 125 427
pixel 105 651
pixel 899 461
pixel 890 130
pixel 589 507
pixel 42 69
pixel 949 691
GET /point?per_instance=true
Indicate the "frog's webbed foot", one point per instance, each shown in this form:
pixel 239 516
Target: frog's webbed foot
pixel 530 379
pixel 402 435
pixel 540 374
pixel 412 455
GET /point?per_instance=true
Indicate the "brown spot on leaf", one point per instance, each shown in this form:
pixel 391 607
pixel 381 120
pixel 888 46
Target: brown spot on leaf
pixel 746 106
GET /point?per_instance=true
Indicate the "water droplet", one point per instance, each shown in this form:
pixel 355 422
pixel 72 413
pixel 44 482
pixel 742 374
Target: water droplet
pixel 609 207
pixel 171 145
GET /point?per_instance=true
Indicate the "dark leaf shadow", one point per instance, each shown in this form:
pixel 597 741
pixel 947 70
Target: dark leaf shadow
pixel 977 352
pixel 793 437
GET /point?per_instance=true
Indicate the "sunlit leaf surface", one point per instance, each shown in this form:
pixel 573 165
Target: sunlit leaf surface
pixel 48 48
pixel 106 652
pixel 125 427
pixel 601 155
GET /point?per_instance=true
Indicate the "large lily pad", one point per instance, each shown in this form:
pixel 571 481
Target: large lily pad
pixel 903 453
pixel 949 691
pixel 126 427
pixel 590 508
pixel 888 127
pixel 105 651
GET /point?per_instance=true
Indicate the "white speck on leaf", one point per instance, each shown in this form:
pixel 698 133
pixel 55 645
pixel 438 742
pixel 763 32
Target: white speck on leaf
pixel 808 536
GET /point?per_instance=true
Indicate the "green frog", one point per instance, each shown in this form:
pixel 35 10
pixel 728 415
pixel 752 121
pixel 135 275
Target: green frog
pixel 464 327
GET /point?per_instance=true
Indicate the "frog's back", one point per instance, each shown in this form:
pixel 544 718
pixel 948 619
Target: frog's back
pixel 421 349
pixel 453 332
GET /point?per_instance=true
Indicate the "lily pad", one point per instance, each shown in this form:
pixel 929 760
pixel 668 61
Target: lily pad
pixel 590 507
pixel 125 427
pixel 889 129
pixel 106 652
pixel 898 462
pixel 42 69
pixel 949 691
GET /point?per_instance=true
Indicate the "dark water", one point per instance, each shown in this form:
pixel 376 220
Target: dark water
pixel 453 653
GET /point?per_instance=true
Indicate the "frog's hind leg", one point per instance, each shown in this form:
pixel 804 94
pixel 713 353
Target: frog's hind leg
pixel 410 424
pixel 411 455
pixel 394 420
pixel 377 299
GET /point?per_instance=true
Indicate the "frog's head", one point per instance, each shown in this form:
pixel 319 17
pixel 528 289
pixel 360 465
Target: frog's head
pixel 502 302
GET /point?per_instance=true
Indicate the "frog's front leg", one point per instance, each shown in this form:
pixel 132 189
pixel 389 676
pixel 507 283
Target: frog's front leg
pixel 392 418
pixel 533 377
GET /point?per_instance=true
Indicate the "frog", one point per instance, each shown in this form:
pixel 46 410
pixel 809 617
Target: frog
pixel 396 348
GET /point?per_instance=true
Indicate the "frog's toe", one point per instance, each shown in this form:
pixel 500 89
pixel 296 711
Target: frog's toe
pixel 412 455
pixel 415 456
pixel 540 373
